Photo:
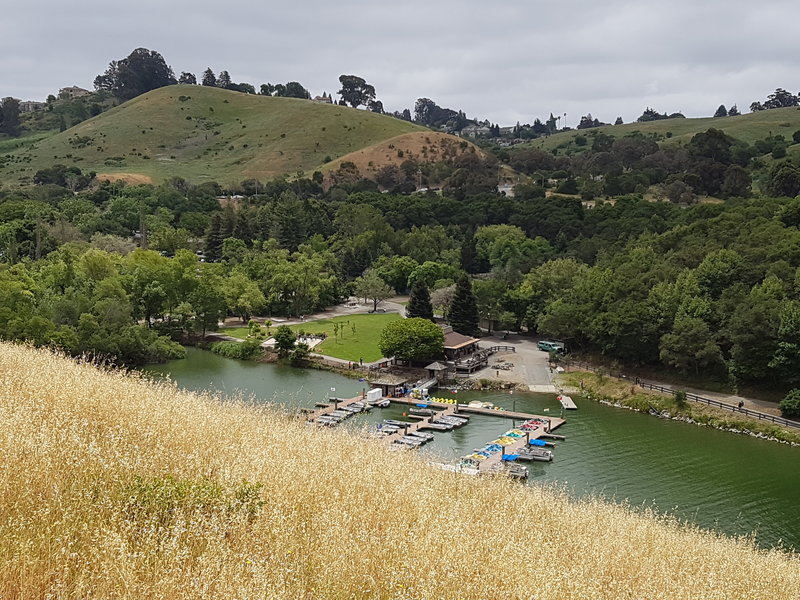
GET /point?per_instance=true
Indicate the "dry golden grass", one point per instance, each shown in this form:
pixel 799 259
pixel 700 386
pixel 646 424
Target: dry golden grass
pixel 113 487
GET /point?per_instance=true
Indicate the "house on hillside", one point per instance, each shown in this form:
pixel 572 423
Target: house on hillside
pixel 473 131
pixel 29 106
pixel 506 189
pixel 325 98
pixel 72 92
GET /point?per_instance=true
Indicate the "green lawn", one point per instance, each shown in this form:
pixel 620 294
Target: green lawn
pixel 349 345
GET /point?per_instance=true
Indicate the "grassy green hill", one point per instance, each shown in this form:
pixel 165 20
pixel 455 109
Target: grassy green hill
pixel 748 128
pixel 203 133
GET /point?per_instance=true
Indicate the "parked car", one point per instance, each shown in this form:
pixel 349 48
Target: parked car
pixel 377 310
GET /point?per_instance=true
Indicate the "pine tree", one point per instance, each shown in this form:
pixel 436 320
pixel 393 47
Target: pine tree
pixel 469 253
pixel 214 239
pixel 209 79
pixel 242 228
pixel 224 80
pixel 419 304
pixel 464 309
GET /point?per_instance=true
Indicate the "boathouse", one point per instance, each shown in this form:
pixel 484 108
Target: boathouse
pixel 457 346
pixel 390 385
pixel 440 372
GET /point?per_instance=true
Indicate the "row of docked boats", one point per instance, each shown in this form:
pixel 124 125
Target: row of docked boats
pixel 342 413
pixel 414 439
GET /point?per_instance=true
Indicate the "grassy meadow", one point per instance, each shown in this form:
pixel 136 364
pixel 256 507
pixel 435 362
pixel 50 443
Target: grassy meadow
pixel 115 487
pixel 749 128
pixel 203 134
pixel 349 344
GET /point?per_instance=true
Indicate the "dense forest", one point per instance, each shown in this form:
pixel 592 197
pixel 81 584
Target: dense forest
pixel 124 270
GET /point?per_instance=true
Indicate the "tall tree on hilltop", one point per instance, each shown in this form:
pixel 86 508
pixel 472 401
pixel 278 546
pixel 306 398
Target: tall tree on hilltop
pixel 187 78
pixel 224 80
pixel 355 91
pixel 141 71
pixel 464 308
pixel 419 304
pixel 721 111
pixel 9 116
pixel 209 79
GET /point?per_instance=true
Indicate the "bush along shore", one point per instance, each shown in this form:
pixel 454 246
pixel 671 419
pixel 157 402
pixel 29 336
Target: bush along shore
pixel 623 394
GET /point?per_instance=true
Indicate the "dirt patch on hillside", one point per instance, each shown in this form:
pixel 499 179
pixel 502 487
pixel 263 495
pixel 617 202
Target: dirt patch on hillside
pixel 423 147
pixel 132 178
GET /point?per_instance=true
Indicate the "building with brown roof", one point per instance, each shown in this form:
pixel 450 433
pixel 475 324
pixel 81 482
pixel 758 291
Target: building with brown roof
pixel 457 345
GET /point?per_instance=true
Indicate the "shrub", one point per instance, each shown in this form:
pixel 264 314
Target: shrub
pixel 790 405
pixel 247 350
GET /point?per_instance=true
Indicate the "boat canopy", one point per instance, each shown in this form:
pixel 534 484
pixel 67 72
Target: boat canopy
pixel 537 443
pixel 510 457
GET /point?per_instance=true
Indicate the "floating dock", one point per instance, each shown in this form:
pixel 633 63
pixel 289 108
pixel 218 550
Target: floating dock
pixel 487 464
pixel 464 408
pixel 566 402
pixel 421 423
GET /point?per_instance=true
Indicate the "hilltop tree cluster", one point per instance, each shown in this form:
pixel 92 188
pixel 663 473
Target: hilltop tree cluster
pixel 780 98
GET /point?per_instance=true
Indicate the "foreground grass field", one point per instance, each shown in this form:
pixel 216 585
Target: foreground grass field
pixel 350 344
pixel 113 487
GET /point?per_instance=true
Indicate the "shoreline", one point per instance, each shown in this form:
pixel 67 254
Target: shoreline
pixel 611 393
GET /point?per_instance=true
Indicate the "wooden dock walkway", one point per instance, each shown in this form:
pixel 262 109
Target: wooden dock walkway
pixel 464 408
pixel 512 448
pixel 421 423
pixel 326 409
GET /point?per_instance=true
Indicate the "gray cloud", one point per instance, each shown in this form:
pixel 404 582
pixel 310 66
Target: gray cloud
pixel 506 61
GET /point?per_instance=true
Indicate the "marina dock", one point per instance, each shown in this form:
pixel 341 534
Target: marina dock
pixel 447 409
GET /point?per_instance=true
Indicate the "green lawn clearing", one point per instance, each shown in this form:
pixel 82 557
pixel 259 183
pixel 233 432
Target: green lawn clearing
pixel 349 344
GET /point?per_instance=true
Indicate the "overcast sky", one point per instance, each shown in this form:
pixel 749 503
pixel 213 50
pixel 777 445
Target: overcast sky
pixel 501 60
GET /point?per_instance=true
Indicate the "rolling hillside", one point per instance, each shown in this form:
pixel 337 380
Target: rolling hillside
pixel 748 128
pixel 202 133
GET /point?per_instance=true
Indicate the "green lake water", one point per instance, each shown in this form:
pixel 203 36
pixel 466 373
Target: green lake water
pixel 731 483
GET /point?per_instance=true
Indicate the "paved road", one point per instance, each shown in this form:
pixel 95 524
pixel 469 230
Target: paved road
pixel 392 305
pixel 530 364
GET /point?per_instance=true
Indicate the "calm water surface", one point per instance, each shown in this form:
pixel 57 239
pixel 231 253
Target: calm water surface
pixel 731 483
